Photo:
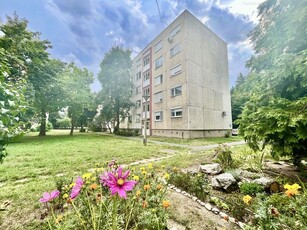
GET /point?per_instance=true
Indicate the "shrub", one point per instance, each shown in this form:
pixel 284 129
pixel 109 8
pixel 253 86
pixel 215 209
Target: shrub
pixel 237 207
pixel 251 189
pixel 63 123
pixel 195 184
pixel 95 200
pixel 224 158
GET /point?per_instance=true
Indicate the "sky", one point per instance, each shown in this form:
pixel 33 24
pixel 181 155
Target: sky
pixel 82 31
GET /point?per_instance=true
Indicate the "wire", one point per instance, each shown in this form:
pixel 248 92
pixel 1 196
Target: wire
pixel 159 12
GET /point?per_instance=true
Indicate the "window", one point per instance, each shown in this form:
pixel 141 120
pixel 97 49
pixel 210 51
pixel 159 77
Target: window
pixel 175 31
pixel 146 75
pixel 146 107
pixel 176 49
pixel 176 70
pixel 137 118
pixel 159 62
pixel 146 60
pixel 146 92
pixel 138 104
pixel 138 62
pixel 158 46
pixel 159 79
pixel 177 112
pixel 158 97
pixel 158 116
pixel 176 91
pixel 138 76
pixel 138 90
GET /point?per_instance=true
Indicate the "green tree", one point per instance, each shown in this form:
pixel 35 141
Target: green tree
pixel 48 90
pixel 239 96
pixel 276 114
pixel 116 89
pixel 13 105
pixel 77 92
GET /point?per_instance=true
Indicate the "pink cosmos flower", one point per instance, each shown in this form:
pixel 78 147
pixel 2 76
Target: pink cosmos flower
pixel 104 179
pixel 112 163
pixel 49 196
pixel 77 188
pixel 118 184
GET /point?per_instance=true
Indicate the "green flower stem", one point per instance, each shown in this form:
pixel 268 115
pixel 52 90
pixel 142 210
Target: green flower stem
pixel 91 212
pixel 114 216
pixel 127 222
pixel 78 214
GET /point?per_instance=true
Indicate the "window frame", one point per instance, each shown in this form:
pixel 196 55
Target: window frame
pixel 175 49
pixel 177 72
pixel 160 98
pixel 160 115
pixel 174 89
pixel 161 79
pixel 159 62
pixel 174 112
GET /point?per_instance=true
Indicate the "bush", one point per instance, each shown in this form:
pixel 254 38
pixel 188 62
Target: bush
pixel 224 158
pixel 96 200
pixel 128 132
pixel 237 207
pixel 82 130
pixel 251 189
pixel 195 184
pixel 63 123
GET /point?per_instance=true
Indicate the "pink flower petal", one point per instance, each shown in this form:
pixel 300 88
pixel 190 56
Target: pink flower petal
pixel 122 193
pixel 54 194
pixel 112 177
pixel 129 185
pixel 46 197
pixel 126 174
pixel 119 172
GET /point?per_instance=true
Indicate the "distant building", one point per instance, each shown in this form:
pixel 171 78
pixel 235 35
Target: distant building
pixel 184 70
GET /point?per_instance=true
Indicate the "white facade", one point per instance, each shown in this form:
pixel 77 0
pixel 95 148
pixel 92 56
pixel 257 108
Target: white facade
pixel 184 70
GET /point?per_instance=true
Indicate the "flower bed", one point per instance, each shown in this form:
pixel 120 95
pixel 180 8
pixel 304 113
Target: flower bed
pixel 109 199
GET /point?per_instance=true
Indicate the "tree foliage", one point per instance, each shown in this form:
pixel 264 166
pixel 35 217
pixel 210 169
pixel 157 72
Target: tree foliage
pixel 77 92
pixel 115 93
pixel 276 113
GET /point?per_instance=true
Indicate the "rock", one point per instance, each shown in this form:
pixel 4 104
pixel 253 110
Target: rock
pixel 215 211
pixel 224 216
pixel 241 225
pixel 224 181
pixel 208 206
pixel 194 198
pixel 178 190
pixel 212 169
pixel 232 220
pixel 263 181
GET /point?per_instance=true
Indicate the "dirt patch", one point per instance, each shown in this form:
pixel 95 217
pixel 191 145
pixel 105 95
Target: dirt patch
pixel 192 215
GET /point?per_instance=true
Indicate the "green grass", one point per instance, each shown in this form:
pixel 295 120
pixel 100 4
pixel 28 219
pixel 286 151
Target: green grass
pixel 34 163
pixel 198 141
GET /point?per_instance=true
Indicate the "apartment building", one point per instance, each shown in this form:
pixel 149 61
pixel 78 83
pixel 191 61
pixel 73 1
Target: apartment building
pixel 181 82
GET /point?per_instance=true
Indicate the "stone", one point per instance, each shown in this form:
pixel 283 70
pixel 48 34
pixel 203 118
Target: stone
pixel 178 190
pixel 241 225
pixel 212 169
pixel 208 206
pixel 232 220
pixel 194 198
pixel 215 211
pixel 223 215
pixel 224 181
pixel 263 181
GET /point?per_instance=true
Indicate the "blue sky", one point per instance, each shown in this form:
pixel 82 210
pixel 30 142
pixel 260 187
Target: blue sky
pixel 83 30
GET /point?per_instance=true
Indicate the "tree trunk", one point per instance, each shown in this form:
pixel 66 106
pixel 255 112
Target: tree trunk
pixel 72 126
pixel 42 129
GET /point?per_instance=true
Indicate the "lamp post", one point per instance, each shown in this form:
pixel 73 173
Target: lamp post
pixel 146 97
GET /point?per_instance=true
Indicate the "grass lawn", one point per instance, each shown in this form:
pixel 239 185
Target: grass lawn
pixel 198 141
pixel 34 164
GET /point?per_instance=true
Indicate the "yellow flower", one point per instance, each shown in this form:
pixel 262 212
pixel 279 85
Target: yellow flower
pixel 137 178
pixel 138 193
pixel 93 186
pixel 291 192
pixel 159 186
pixel 65 196
pixel 93 178
pixel 144 172
pixel 166 204
pixel 72 185
pixel 247 199
pixel 142 168
pixel 287 186
pixel 87 176
pixel 150 166
pixel 146 187
pixel 175 169
pixel 166 176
